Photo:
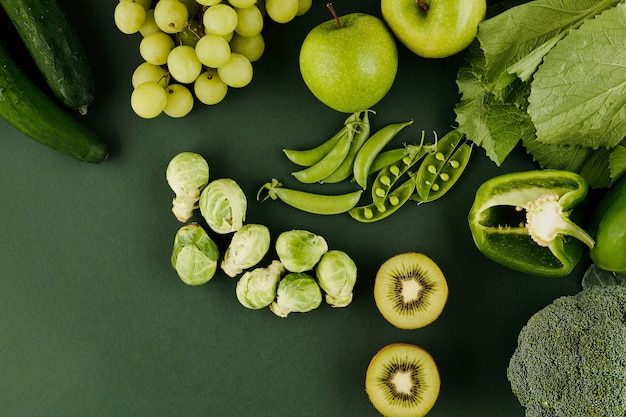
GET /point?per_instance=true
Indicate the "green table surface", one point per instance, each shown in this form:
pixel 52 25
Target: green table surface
pixel 95 322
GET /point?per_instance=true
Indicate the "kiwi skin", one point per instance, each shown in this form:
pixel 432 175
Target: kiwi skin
pixel 402 380
pixel 410 290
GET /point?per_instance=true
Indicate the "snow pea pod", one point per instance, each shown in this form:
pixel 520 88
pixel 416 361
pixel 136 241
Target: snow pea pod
pixel 345 169
pixel 372 147
pixel 311 156
pixel 386 158
pixel 391 156
pixel 395 199
pixel 329 163
pixel 441 170
pixel 322 204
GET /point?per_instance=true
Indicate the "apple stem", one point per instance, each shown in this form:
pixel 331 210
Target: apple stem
pixel 334 13
pixel 422 4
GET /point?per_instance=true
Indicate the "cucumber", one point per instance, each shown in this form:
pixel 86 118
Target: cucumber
pixel 56 49
pixel 36 114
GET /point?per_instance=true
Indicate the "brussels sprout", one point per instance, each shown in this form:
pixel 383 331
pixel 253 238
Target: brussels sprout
pixel 195 255
pixel 297 292
pixel 223 205
pixel 256 289
pixel 187 174
pixel 300 250
pixel 247 248
pixel 336 274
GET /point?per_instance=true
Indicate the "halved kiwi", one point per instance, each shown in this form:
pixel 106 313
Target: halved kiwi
pixel 402 380
pixel 410 290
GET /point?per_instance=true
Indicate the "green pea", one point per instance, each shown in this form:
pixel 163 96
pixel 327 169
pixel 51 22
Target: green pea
pixel 309 157
pixel 372 147
pixel 362 133
pixel 396 199
pixel 309 202
pixel 329 163
pixel 441 170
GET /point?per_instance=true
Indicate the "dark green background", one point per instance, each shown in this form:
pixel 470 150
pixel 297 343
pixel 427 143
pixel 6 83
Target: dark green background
pixel 95 322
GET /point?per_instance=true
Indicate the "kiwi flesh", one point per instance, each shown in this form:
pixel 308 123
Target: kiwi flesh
pixel 410 290
pixel 402 380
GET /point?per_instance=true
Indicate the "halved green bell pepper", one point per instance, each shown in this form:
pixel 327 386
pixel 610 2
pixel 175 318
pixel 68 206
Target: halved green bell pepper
pixel 608 226
pixel 522 220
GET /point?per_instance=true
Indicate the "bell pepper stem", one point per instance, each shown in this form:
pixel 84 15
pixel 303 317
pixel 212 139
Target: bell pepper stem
pixel 546 220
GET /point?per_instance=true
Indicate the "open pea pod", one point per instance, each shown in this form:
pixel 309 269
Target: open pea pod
pixel 441 169
pixel 388 176
pixel 525 221
pixel 394 200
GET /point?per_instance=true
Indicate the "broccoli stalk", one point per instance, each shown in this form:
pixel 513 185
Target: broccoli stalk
pixel 570 359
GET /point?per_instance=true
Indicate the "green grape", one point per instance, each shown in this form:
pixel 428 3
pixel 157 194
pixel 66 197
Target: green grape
pixel 148 100
pixel 129 17
pixel 191 6
pixel 228 36
pixel 237 72
pixel 252 48
pixel 282 11
pixel 149 25
pixel 170 15
pixel 303 6
pixel 249 21
pixel 155 47
pixel 209 88
pixel 208 2
pixel 183 64
pixel 179 101
pixel 242 4
pixel 191 33
pixel 213 51
pixel 146 4
pixel 147 72
pixel 220 19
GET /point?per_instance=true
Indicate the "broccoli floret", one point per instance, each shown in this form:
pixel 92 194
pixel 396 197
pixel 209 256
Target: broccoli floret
pixel 570 359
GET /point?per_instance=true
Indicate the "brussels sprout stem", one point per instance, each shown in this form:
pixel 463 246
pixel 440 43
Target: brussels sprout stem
pixel 183 206
pixel 334 13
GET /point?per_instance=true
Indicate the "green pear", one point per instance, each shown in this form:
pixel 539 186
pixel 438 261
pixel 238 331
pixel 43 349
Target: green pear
pixel 349 63
pixel 434 28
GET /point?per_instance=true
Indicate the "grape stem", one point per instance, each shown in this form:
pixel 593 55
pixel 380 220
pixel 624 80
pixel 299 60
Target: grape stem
pixel 423 5
pixel 334 13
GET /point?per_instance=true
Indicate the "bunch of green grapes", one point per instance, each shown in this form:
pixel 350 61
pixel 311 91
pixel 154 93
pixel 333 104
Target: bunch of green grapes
pixel 196 49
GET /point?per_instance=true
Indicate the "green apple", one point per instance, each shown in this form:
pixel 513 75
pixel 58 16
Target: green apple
pixel 349 63
pixel 434 28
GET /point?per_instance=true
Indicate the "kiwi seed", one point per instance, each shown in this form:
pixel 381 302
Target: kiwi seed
pixel 402 380
pixel 410 290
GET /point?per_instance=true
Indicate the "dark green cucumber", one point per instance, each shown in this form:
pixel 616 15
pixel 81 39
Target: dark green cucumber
pixel 36 114
pixel 56 49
